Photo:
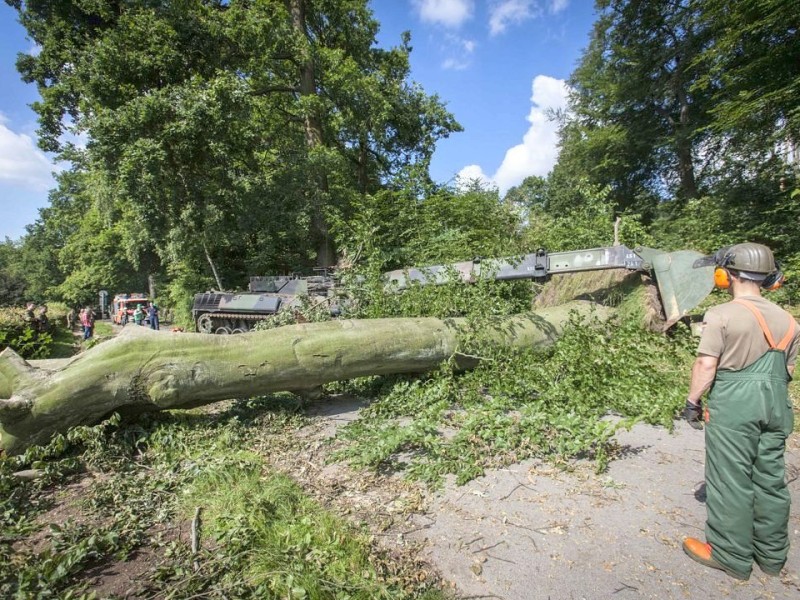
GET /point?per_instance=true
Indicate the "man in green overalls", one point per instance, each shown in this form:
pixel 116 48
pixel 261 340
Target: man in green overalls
pixel 746 357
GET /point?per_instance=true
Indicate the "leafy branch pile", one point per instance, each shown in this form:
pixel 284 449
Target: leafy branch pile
pixel 517 405
pixel 514 404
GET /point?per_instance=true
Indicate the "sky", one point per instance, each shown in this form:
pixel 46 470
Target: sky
pixel 498 65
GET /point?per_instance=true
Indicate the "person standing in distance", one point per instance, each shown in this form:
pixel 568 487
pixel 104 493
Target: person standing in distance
pixel 87 320
pixel 138 315
pixel 745 358
pixel 152 315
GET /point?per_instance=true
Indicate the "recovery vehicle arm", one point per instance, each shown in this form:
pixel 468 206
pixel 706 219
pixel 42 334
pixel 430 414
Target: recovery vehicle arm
pixel 681 286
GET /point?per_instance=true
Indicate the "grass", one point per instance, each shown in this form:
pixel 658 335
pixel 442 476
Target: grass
pixel 65 343
pixel 794 395
pixel 261 536
pixel 103 329
pixel 267 519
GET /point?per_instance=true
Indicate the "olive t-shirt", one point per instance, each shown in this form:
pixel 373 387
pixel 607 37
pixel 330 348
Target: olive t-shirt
pixel 732 333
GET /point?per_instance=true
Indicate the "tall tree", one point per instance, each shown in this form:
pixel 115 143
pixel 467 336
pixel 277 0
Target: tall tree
pixel 637 123
pixel 532 192
pixel 223 133
pixel 12 282
pixel 753 71
pixel 72 250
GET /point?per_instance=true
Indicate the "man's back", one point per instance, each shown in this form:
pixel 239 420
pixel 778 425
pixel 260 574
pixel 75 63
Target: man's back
pixel 732 333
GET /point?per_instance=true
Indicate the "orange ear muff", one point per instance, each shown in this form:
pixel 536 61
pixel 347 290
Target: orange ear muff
pixel 722 278
pixel 774 281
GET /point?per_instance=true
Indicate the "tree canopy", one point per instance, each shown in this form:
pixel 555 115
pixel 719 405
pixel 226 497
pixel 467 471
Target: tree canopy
pixel 223 136
pixel 222 139
pixel 687 112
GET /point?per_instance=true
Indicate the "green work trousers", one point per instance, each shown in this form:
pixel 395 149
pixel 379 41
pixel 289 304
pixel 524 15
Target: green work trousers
pixel 749 419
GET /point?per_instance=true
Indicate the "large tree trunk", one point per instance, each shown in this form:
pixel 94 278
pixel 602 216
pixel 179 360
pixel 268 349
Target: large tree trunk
pixel 146 370
pixel 326 253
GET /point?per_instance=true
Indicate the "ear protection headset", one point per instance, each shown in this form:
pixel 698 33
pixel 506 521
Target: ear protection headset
pixel 722 276
pixel 775 279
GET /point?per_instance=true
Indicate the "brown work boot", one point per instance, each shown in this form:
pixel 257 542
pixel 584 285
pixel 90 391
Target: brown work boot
pixel 701 552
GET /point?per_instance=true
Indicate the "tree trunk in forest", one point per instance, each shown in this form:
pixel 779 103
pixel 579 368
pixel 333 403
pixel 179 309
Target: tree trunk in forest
pixel 213 267
pixel 688 186
pixel 145 370
pixel 684 151
pixel 683 133
pixel 362 164
pixel 326 254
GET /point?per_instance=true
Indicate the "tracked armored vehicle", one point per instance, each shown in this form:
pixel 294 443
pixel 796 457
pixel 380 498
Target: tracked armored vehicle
pixel 229 313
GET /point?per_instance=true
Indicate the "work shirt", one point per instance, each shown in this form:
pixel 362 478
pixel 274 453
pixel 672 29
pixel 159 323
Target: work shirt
pixel 732 334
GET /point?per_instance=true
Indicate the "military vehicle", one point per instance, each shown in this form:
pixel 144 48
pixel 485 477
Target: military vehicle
pixel 229 313
pixel 681 285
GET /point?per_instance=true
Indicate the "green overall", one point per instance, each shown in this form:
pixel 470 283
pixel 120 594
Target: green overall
pixel 748 419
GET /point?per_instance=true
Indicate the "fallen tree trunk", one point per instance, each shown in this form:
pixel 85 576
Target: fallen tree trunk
pixel 144 370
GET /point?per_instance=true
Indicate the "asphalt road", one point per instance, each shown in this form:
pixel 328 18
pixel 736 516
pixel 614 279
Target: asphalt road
pixel 532 531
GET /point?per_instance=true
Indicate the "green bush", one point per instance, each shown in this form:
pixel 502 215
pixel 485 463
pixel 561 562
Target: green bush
pixel 23 338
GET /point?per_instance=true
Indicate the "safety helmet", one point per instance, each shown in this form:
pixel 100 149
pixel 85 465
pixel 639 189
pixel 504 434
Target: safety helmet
pixel 751 258
pixel 753 262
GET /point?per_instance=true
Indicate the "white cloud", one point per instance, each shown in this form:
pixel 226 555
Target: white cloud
pixel 22 164
pixel 450 13
pixel 503 13
pixel 454 64
pixel 471 173
pixel 538 151
pixel 459 52
pixel 556 6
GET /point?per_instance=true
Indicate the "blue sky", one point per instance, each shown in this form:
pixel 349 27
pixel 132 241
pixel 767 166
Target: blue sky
pixel 497 64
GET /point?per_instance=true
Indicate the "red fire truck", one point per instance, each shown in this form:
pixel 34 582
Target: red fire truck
pixel 124 305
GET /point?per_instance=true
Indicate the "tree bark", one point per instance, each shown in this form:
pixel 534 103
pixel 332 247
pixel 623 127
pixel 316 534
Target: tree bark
pixel 151 285
pixel 326 254
pixel 144 370
pixel 213 267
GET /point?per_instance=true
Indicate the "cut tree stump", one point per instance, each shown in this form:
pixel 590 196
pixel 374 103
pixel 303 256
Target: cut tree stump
pixel 144 370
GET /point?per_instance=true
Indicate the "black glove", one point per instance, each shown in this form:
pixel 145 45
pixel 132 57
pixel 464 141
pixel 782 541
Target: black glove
pixel 693 413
